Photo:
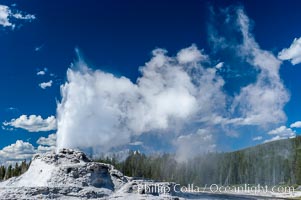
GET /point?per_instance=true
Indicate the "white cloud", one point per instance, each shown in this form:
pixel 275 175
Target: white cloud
pixel 33 123
pixel 296 124
pixel 191 54
pixel 257 138
pixel 281 132
pixel 293 53
pixel 219 65
pixel 46 144
pixel 4 15
pixel 44 149
pixel 44 85
pixel 7 14
pixel 21 150
pixel 47 141
pixel 41 73
pixel 262 102
pixel 17 152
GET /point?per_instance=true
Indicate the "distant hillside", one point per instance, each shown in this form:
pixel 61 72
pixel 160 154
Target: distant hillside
pixel 272 163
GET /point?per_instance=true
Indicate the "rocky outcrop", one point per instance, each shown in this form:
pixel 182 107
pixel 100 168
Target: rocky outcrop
pixel 70 174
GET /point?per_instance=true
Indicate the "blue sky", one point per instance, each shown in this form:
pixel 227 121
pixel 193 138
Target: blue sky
pixel 38 41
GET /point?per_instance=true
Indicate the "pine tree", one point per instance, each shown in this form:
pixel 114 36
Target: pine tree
pixel 8 173
pixel 2 172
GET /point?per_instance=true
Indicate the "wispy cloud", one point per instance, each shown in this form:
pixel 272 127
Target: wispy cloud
pixel 33 123
pixel 262 102
pixel 12 110
pixel 258 138
pixel 39 48
pixel 7 14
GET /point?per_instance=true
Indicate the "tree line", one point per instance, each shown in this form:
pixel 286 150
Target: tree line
pixel 273 163
pixel 9 171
